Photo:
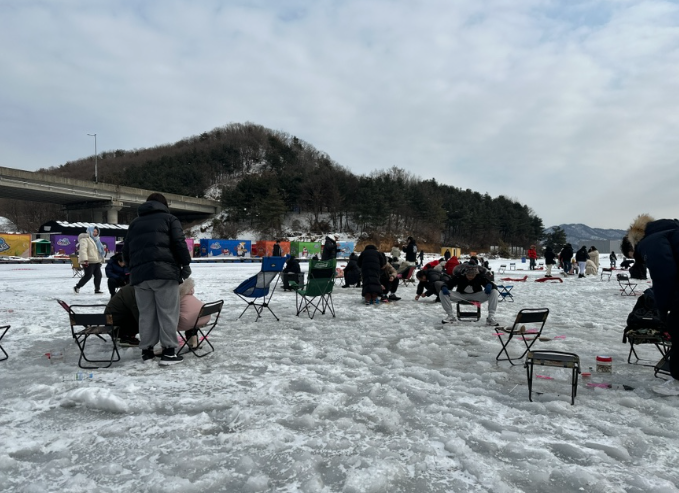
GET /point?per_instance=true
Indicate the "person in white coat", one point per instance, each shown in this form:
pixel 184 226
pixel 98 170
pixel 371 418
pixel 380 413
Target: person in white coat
pixel 90 256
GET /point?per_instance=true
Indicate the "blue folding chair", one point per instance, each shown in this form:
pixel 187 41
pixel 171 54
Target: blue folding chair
pixel 257 290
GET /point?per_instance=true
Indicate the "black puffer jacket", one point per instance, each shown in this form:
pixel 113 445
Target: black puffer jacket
pixel 566 253
pixel 461 284
pixel 352 272
pixel 329 249
pixel 411 251
pixel 371 261
pixel 582 255
pixel 657 244
pixel 428 286
pixel 155 247
pixel 550 256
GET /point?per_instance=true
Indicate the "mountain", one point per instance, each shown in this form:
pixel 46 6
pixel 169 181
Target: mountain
pixel 581 234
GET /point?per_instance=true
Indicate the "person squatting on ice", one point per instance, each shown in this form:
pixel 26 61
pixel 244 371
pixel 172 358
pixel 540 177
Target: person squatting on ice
pixel 158 258
pixel 117 273
pixel 90 256
pixel 657 243
pixel 471 283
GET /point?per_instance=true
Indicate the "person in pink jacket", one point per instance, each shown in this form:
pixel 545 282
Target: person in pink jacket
pixel 189 308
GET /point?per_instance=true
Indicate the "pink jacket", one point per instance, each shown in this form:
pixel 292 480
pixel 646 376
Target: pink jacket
pixel 189 307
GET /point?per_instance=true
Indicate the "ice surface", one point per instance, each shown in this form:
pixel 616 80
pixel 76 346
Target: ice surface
pixel 378 399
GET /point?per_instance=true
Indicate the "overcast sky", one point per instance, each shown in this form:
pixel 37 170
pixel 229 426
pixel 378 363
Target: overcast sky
pixel 568 107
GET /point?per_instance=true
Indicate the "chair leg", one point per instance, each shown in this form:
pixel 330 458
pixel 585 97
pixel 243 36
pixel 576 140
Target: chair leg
pixel 529 375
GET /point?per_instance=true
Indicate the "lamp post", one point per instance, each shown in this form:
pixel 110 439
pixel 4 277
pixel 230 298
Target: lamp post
pixel 95 157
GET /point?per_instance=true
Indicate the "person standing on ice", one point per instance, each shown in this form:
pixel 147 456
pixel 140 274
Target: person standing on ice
pixel 330 248
pixel 90 256
pixel 550 260
pixel 581 257
pixel 613 259
pixel 532 256
pixel 657 244
pixel 155 251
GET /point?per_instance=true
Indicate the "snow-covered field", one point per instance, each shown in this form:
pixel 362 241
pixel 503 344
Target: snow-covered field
pixel 378 399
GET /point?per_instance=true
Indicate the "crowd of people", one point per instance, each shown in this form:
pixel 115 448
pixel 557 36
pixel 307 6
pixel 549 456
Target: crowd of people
pixel 153 296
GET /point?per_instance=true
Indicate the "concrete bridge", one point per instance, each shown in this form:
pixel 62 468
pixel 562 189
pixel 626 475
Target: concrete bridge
pixel 101 198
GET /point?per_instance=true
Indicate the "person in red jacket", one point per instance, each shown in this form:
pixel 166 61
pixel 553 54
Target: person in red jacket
pixel 450 265
pixel 533 256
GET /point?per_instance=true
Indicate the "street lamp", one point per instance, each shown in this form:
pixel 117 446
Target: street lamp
pixel 95 156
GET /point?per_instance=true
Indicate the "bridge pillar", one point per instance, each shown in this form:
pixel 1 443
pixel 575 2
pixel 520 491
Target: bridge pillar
pixel 112 212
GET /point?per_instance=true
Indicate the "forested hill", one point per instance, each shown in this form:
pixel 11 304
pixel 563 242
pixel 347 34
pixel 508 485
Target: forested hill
pixel 262 175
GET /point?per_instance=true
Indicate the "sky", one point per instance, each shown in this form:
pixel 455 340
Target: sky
pixel 567 107
pixel 377 399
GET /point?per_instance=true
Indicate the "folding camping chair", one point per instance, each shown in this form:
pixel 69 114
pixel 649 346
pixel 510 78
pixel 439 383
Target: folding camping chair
pixel 557 359
pixel 339 276
pixel 527 335
pixel 75 265
pixel 502 269
pixel 512 266
pixel 407 277
pixel 3 331
pixel 317 292
pixel 626 285
pixel 505 291
pixel 657 336
pixel 606 272
pixel 85 324
pixel 258 287
pixel 212 310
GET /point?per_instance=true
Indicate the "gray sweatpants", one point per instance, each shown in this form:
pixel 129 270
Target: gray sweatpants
pixel 481 297
pixel 158 302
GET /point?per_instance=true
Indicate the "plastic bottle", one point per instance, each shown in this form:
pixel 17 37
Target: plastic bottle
pixel 82 375
pixel 604 364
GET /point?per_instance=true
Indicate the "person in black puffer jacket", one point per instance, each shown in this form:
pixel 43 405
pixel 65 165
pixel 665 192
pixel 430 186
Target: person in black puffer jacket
pixel 550 260
pixel 581 257
pixel 657 244
pixel 155 251
pixel 411 250
pixel 565 257
pixel 116 273
pixel 330 248
pixel 352 272
pixel 371 261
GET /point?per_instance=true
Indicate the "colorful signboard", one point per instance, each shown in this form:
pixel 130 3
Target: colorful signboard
pixel 15 245
pixel 225 248
pixel 265 248
pixel 305 249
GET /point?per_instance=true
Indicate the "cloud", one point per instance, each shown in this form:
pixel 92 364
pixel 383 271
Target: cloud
pixel 566 107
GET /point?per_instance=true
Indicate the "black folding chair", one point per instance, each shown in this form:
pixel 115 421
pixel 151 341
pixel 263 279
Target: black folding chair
pixel 3 331
pixel 526 336
pixel 86 324
pixel 627 287
pixel 202 331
